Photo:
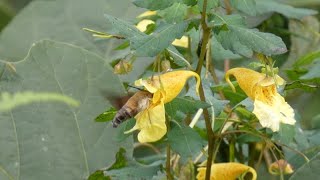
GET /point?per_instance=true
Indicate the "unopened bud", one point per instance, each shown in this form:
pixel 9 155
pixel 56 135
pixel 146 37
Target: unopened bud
pixel 280 165
pixel 165 65
pixel 123 67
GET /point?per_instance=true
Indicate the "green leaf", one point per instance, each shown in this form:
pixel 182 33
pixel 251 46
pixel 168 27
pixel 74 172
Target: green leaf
pixel 151 45
pixel 106 116
pixel 135 171
pixel 210 4
pixel 245 6
pixel 286 10
pixel 230 41
pixel 98 175
pixel 121 160
pixel 218 20
pixel 8 101
pixel 286 133
pixel 315 122
pixel 53 140
pixel 248 138
pixel 301 85
pixel 297 160
pixel 123 46
pixel 309 170
pixel 184 104
pixel 313 72
pixel 122 27
pixel 178 58
pixel 307 59
pixel 219 53
pixel 125 126
pixel 185 141
pixel 241 40
pixel 261 42
pixel 6 14
pixel 153 4
pixel 175 13
pixel 62 21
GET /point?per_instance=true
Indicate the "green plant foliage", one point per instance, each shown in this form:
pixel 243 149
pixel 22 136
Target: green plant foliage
pixel 286 10
pixel 178 58
pixel 185 104
pixel 153 4
pixel 98 175
pixel 301 85
pixel 185 141
pixel 151 45
pixel 175 13
pixel 245 6
pixel 219 53
pixel 135 171
pixel 244 41
pixel 39 131
pixel 67 27
pixel 121 160
pixel 6 13
pixel 106 116
pixel 8 101
pixel 57 57
pixel 307 59
pixel 210 4
pixel 285 134
pixel 309 170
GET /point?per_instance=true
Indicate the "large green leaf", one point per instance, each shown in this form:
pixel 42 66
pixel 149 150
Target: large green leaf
pixel 151 45
pixel 185 141
pixel 264 6
pixel 53 140
pixel 219 53
pixel 135 171
pixel 153 4
pixel 62 21
pixel 129 31
pixel 242 40
pixel 286 133
pixel 246 6
pixel 184 104
pixel 309 170
pixel 175 13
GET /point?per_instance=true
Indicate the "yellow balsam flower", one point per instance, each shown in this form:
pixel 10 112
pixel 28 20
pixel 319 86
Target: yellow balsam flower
pixel 226 171
pixel 269 106
pixel 142 25
pixel 165 87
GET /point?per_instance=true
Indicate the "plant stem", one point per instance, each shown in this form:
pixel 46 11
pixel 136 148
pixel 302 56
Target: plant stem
pixel 168 159
pixel 168 166
pixel 205 39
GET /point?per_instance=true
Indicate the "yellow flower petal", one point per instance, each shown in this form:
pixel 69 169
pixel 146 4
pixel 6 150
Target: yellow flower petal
pixel 246 78
pixel 151 123
pixel 142 25
pixel 272 115
pixel 147 13
pixel 183 42
pixel 171 83
pixel 226 171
